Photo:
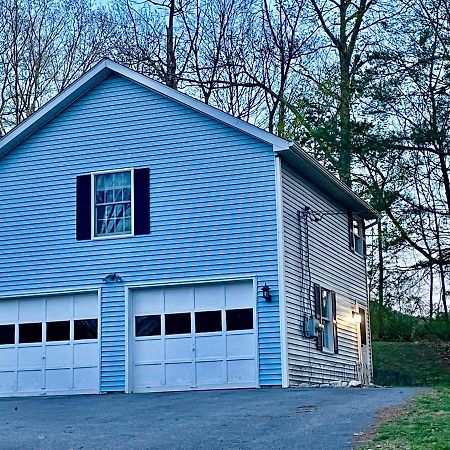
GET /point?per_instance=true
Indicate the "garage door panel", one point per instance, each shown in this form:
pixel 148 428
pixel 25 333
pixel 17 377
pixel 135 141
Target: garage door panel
pixel 58 380
pixel 210 347
pixel 32 310
pixel 30 381
pixel 148 302
pixel 85 354
pixel 58 355
pixel 57 308
pixel 8 358
pixel 210 373
pixel 179 299
pixel 209 297
pixel 9 311
pixel 239 295
pixel 179 348
pixel 86 378
pixel 180 374
pixel 148 375
pixel 147 351
pixel 239 345
pixel 7 382
pixel 31 357
pixel 241 371
pixel 85 305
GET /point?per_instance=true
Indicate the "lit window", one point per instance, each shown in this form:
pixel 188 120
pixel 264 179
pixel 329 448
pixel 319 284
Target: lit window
pixel 113 206
pixel 327 319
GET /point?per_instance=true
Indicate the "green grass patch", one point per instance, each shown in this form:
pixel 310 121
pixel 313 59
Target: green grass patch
pixel 411 364
pixel 424 424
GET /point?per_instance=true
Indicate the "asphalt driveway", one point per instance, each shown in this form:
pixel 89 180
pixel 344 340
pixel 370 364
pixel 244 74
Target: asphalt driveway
pixel 322 418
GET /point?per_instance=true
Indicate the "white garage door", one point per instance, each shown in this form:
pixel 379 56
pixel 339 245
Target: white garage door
pixel 49 345
pixel 194 337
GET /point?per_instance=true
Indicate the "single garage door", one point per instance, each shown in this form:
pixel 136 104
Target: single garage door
pixel 193 337
pixel 49 345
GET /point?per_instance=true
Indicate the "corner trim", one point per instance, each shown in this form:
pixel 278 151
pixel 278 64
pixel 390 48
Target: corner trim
pixel 281 274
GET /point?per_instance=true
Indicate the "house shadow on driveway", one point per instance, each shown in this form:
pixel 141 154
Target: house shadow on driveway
pixel 311 418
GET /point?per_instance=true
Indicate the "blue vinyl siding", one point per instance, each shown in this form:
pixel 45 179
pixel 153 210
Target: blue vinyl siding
pixel 212 207
pixel 112 346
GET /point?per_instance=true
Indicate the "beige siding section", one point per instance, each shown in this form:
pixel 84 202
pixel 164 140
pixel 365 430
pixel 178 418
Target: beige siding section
pixel 334 266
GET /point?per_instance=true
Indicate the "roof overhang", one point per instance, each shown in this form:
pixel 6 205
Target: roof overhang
pixel 312 170
pixel 101 71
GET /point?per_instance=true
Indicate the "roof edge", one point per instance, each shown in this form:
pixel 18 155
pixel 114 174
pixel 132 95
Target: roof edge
pixel 100 71
pixel 325 180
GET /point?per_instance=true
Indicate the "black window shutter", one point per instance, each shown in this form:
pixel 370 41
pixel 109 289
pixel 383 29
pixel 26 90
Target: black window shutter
pixel 317 301
pixel 363 227
pixel 318 312
pixel 351 241
pixel 142 201
pixel 335 329
pixel 83 207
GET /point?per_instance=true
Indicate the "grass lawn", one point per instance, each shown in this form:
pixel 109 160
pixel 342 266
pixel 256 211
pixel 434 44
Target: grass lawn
pixel 424 425
pixel 411 364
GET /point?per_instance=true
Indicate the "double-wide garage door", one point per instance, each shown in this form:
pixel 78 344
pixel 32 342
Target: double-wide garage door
pixel 193 337
pixel 49 345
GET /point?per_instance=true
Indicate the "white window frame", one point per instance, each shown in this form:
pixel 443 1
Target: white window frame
pixel 358 238
pixel 327 322
pixel 93 208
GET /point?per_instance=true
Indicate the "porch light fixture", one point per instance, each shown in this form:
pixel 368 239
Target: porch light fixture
pixel 266 293
pixel 356 317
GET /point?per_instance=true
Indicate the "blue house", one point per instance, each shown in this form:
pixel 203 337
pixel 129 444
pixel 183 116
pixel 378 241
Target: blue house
pixel 150 242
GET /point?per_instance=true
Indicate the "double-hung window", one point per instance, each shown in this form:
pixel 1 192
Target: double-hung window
pixel 357 237
pixel 113 203
pixel 325 306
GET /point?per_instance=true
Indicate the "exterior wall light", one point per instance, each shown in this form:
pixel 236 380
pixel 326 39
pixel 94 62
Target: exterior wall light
pixel 266 293
pixel 356 317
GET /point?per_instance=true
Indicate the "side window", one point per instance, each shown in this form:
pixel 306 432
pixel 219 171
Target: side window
pixel 325 308
pixel 357 238
pixel 115 203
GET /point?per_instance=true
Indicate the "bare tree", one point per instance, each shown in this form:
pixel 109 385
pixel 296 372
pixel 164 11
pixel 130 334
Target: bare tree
pixel 45 45
pixel 151 37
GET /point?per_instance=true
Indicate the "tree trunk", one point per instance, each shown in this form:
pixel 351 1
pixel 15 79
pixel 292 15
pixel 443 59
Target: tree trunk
pixel 171 78
pixel 443 291
pixel 380 276
pixel 431 291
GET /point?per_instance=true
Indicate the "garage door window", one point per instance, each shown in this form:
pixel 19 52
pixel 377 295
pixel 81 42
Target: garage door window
pixel 148 325
pixel 85 329
pixel 208 321
pixel 7 334
pixel 178 323
pixel 239 319
pixel 30 333
pixel 58 331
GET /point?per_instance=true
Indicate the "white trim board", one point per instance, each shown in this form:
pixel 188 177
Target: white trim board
pixel 281 274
